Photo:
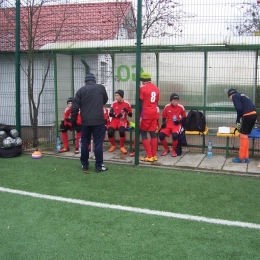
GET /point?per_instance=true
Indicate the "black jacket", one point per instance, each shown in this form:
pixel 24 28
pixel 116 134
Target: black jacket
pixel 243 105
pixel 90 99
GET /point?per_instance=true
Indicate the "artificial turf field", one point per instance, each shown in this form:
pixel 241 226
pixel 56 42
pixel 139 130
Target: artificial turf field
pixel 112 215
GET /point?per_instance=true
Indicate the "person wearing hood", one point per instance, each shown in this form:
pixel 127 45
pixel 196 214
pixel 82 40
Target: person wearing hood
pixel 246 117
pixel 90 100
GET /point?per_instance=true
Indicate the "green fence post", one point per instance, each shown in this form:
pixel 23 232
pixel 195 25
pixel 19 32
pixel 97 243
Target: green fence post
pixel 56 95
pixel 17 68
pixel 138 69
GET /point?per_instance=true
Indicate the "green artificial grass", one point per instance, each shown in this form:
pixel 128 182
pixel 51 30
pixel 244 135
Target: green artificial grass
pixel 219 196
pixel 35 228
pixel 42 229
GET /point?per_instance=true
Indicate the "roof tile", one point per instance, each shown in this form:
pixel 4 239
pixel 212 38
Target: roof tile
pixel 81 22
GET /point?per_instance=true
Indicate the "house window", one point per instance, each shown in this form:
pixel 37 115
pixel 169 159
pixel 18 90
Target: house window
pixel 103 72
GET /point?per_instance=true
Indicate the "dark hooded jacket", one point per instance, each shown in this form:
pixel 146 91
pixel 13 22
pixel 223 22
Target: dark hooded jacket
pixel 90 99
pixel 243 105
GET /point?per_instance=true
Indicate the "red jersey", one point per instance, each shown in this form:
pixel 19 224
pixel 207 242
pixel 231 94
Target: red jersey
pixel 67 117
pixel 106 116
pixel 169 111
pixel 150 96
pixel 117 108
pixel 79 118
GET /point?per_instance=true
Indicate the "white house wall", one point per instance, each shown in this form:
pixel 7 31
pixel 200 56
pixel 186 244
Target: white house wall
pixel 108 83
pixel 64 82
pixel 94 63
pixel 8 91
pixel 79 73
pixel 46 115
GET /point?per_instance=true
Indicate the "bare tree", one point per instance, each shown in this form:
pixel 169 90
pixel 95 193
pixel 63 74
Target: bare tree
pixel 249 21
pixel 160 18
pixel 32 34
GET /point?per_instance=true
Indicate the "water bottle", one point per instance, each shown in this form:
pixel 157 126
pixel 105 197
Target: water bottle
pixel 256 123
pixel 209 150
pixel 58 144
pixel 50 136
pixel 174 118
pixel 91 146
pixel 122 118
pixel 80 144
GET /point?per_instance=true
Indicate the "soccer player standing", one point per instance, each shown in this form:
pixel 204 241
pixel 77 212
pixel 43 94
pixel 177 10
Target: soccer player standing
pixel 149 97
pixel 246 117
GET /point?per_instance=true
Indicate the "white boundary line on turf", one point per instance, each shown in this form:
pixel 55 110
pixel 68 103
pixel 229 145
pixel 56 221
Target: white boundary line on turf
pixel 132 209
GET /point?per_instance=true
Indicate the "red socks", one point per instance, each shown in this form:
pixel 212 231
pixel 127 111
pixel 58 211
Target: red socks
pixel 174 144
pixel 64 137
pixel 147 147
pixel 164 144
pixel 122 142
pixel 112 141
pixel 154 145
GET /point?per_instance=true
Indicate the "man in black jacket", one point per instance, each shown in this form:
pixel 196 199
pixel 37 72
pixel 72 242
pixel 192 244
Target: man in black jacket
pixel 90 100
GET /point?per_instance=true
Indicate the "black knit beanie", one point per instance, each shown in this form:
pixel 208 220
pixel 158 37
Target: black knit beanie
pixel 70 99
pixel 90 77
pixel 174 96
pixel 231 91
pixel 120 92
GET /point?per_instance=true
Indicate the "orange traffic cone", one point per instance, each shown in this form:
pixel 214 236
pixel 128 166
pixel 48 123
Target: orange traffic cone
pixel 36 154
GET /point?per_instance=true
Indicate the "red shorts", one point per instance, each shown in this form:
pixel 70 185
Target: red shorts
pixel 117 123
pixel 148 124
pixel 172 129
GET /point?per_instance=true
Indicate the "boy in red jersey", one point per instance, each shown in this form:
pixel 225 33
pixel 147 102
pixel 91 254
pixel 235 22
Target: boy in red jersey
pixel 173 119
pixel 119 111
pixel 149 97
pixel 132 154
pixel 106 117
pixel 66 126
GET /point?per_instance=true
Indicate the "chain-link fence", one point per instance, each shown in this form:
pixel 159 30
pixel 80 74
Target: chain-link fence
pixel 197 50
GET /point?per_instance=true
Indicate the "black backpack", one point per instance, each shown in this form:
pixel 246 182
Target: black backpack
pixel 181 142
pixel 195 121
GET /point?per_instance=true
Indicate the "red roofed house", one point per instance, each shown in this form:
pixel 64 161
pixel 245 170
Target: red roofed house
pixel 65 23
pixel 58 24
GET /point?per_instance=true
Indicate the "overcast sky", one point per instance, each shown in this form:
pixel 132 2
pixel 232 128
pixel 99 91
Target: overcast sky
pixel 213 16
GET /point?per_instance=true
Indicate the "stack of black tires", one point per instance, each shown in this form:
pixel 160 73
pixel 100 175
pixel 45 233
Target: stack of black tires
pixel 10 142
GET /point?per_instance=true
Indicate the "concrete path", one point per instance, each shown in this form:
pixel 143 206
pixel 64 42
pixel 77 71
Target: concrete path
pixel 188 160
